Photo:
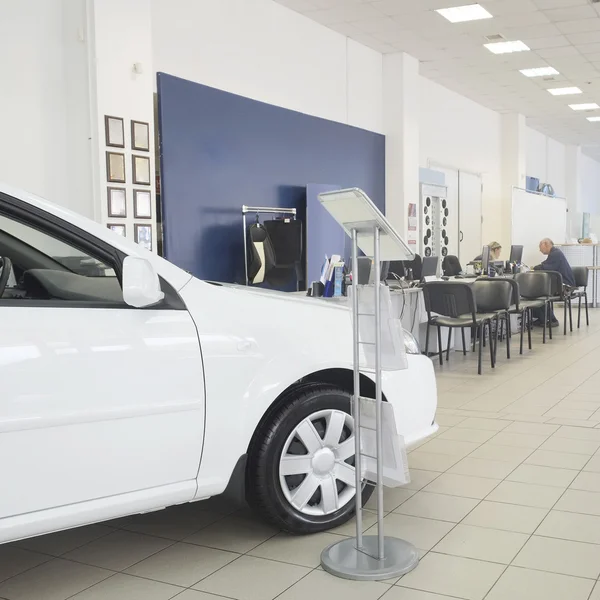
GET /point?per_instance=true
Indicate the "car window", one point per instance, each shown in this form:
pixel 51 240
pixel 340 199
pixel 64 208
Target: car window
pixel 47 268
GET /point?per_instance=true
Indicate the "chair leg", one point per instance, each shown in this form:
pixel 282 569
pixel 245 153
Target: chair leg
pixel 550 320
pixel 508 334
pixel 523 321
pixel 474 332
pixel 565 316
pixel 480 328
pixel 462 331
pixel 571 315
pixel 492 346
pixel 579 314
pixel 545 321
pixel 427 340
pixel 449 340
pixel 440 350
pixel 587 314
pixel 498 326
pixel 529 327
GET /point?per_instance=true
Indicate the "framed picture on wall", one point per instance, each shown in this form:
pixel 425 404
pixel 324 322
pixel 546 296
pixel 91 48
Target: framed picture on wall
pixel 115 167
pixel 142 204
pixel 119 229
pixel 114 131
pixel 141 169
pixel 140 135
pixel 117 202
pixel 143 235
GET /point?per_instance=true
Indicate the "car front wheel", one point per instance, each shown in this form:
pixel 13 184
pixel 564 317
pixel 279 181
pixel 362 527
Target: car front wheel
pixel 300 473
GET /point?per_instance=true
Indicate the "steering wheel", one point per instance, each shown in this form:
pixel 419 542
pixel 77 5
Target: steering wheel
pixel 6 270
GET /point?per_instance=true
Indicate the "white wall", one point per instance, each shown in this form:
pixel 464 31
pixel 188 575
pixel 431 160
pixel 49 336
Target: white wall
pixel 547 160
pixel 262 50
pixel 459 133
pixel 44 102
pixel 589 173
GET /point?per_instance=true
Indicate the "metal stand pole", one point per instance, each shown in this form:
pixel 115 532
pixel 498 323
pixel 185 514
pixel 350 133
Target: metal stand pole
pixel 370 557
pixel 356 399
pixel 245 248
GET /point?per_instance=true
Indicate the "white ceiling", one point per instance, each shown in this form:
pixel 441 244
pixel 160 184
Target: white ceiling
pixel 564 34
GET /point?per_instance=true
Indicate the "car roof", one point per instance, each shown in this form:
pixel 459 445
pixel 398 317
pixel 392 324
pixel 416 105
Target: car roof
pixel 174 275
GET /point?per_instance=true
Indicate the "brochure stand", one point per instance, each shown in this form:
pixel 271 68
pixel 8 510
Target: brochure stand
pixel 367 557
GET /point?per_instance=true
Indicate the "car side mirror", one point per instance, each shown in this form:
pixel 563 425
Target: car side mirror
pixel 141 286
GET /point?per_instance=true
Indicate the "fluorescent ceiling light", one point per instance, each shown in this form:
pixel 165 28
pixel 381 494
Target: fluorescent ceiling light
pixel 588 106
pixel 565 91
pixel 540 72
pixel 460 14
pixel 594 119
pixel 507 47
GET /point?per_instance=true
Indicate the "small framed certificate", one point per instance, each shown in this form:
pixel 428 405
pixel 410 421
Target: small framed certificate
pixel 117 202
pixel 115 167
pixel 114 131
pixel 142 204
pixel 141 169
pixel 140 135
pixel 119 229
pixel 143 235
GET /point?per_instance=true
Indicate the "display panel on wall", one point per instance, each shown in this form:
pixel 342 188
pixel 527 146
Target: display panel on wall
pixel 140 135
pixel 117 228
pixel 117 202
pixel 220 151
pixel 114 131
pixel 143 235
pixel 115 167
pixel 141 170
pixel 142 204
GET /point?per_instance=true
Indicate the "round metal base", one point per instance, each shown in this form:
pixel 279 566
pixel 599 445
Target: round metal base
pixel 344 560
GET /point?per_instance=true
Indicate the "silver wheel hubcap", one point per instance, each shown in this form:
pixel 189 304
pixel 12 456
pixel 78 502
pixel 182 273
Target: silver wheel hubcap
pixel 316 468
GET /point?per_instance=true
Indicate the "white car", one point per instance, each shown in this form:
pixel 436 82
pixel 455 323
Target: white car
pixel 128 385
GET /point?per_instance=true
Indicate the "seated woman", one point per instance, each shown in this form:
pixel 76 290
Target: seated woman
pixel 495 250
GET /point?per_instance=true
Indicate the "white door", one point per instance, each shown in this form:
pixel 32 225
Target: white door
pixel 470 199
pixel 98 399
pixel 451 176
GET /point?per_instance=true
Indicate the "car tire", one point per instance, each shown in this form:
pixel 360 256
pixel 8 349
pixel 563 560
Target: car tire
pixel 286 462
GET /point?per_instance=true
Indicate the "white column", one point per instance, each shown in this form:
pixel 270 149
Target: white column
pixel 121 82
pixel 514 165
pixel 401 128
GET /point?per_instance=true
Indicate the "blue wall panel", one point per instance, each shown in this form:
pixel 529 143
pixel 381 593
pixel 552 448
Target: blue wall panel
pixel 219 151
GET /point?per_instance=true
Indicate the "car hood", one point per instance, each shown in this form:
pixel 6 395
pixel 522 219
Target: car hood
pixel 297 297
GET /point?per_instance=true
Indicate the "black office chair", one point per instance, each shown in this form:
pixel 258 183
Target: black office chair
pixel 451 266
pixel 495 295
pixel 416 265
pixel 581 275
pixel 518 308
pixel 535 288
pixel 453 305
pixel 560 293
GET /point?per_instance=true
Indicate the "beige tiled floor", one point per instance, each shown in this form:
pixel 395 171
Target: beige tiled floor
pixel 504 504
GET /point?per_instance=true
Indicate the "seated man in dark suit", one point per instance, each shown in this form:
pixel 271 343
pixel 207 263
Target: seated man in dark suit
pixel 555 261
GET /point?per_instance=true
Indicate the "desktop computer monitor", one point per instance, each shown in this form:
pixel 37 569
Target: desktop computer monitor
pixel 516 255
pixel 366 271
pixel 485 260
pixel 430 266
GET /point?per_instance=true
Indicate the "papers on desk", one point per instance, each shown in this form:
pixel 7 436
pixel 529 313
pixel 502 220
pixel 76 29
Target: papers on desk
pixel 332 276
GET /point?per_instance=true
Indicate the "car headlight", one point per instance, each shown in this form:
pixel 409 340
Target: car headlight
pixel 410 343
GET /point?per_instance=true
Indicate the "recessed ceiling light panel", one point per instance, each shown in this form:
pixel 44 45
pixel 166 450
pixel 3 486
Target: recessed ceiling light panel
pixel 460 14
pixel 567 91
pixel 540 72
pixel 588 106
pixel 507 47
pixel 594 119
